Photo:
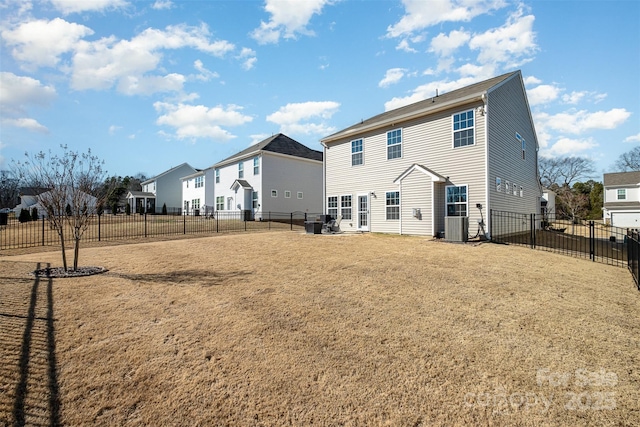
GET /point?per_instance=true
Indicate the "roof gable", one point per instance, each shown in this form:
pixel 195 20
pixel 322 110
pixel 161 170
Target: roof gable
pixel 423 108
pixel 167 172
pixel 280 144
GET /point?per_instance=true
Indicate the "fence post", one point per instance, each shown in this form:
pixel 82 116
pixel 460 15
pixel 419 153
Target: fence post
pixel 291 221
pixel 592 242
pixel 532 230
pixel 269 220
pixel 145 224
pixel 491 224
pixel 43 230
pixel 184 223
pixel 218 222
pixel 99 234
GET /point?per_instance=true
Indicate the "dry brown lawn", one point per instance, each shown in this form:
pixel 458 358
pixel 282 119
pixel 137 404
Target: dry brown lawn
pixel 285 328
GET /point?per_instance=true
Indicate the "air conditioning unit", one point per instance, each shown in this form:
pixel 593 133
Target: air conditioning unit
pixel 456 228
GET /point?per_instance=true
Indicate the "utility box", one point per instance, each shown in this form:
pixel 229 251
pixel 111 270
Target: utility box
pixel 313 227
pixel 456 228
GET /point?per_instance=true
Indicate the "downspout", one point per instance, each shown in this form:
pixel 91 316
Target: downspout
pixel 324 178
pixel 401 198
pixel 487 230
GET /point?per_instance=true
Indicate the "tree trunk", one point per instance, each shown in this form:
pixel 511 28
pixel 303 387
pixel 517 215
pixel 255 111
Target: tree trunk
pixel 76 253
pixel 64 253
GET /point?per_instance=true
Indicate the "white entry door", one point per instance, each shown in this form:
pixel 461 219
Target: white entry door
pixel 363 212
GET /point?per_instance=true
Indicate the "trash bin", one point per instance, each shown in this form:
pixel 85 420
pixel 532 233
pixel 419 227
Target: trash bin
pixel 313 227
pixel 3 218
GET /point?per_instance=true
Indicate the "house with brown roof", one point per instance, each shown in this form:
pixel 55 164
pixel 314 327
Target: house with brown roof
pixel 621 206
pixel 278 174
pixel 441 163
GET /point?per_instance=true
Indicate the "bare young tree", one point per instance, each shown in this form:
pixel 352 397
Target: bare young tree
pixel 9 186
pixel 72 180
pixel 564 171
pixel 629 161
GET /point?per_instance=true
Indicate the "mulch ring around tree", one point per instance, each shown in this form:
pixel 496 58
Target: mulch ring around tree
pixel 61 272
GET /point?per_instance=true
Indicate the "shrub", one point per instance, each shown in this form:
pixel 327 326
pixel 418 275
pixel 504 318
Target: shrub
pixel 164 209
pixel 34 214
pixel 24 215
pixel 127 209
pixel 114 208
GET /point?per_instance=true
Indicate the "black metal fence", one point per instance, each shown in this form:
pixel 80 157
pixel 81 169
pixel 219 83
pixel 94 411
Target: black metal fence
pixel 106 227
pixel 633 252
pixel 583 239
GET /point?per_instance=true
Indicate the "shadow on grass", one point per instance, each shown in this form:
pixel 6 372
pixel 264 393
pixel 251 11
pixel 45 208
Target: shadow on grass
pixel 29 358
pixel 204 278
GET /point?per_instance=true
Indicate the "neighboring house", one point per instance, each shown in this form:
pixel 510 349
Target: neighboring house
pixel 458 154
pixel 278 174
pixel 622 199
pixel 163 189
pixel 30 198
pixel 198 192
pixel 548 203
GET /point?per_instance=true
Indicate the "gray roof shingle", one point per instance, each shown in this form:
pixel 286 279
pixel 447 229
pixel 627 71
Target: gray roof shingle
pixel 621 178
pixel 279 143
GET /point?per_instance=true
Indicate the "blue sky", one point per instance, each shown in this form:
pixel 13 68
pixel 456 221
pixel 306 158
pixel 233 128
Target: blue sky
pixel 148 85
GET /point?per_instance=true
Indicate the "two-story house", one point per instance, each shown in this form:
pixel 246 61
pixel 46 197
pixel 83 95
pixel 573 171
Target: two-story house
pixel 198 193
pixel 162 189
pixel 278 174
pixel 622 199
pixel 457 154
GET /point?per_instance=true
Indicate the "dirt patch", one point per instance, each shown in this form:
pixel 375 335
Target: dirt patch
pixel 292 329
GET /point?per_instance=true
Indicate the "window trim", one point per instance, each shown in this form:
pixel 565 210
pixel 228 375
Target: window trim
pixel 360 152
pixel 274 193
pixel 498 184
pixel 287 194
pixel 387 205
pixel 220 202
pixel 624 194
pixel 256 165
pixel 454 130
pixel 395 144
pixel 300 195
pixel 240 170
pixel 254 200
pixel 217 176
pixel 343 208
pixel 466 202
pixel 330 208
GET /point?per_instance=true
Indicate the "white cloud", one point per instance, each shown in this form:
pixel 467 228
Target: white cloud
pixel 305 117
pixel 531 80
pixel 420 14
pixel 100 64
pixel 577 122
pixel 199 121
pixel 17 94
pixel 25 123
pixel 41 42
pixel 633 138
pixel 576 97
pixel 257 138
pixel 569 147
pixel 113 129
pixel 512 44
pixel 147 85
pixel 205 74
pixel 74 6
pixel 248 56
pixel 288 18
pixel 428 91
pixel 404 45
pixel 392 76
pixel 445 45
pixel 162 4
pixel 542 94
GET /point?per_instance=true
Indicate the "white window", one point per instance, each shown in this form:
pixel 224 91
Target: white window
pixel 332 206
pixel 356 152
pixel 256 165
pixel 195 203
pixel 498 185
pixel 220 203
pixel 507 187
pixel 217 176
pixel 188 183
pixel 274 193
pixel 463 129
pixel 287 194
pixel 299 194
pixel 521 191
pixel 240 170
pixel 345 207
pixel 393 204
pixel 515 189
pixel 456 200
pixel 622 194
pixel 523 143
pixel 394 144
pixel 254 200
pixel 199 181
